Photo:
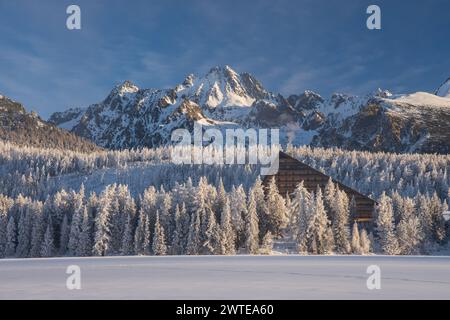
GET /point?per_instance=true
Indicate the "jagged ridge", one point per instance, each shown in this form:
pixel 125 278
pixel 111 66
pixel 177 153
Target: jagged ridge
pixel 380 121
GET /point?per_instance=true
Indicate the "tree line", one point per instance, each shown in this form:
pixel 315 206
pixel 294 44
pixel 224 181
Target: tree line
pixel 37 172
pixel 205 218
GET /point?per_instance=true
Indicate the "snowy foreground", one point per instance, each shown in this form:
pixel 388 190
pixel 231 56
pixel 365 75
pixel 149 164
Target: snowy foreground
pixel 232 277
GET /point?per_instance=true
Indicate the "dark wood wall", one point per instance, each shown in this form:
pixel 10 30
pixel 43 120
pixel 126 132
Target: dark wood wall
pixel 291 172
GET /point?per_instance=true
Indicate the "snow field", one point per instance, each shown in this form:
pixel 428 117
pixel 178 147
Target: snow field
pixel 227 277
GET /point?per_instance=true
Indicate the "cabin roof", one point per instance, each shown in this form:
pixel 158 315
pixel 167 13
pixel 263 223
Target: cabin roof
pixel 341 185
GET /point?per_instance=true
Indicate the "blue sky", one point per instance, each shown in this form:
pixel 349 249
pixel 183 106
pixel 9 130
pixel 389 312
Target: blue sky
pixel 289 45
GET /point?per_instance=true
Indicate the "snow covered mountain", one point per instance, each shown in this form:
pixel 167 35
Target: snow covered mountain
pixel 28 129
pixel 133 117
pixel 379 121
pixel 418 122
pixel 222 92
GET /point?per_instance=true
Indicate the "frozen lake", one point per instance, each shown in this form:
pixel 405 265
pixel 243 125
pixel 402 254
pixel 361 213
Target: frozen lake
pixel 233 277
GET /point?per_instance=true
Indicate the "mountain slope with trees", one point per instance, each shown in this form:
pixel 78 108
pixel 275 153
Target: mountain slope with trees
pixel 57 203
pixel 28 129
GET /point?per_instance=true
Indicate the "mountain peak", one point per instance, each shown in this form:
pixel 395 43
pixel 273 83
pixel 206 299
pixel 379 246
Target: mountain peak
pixel 121 90
pixel 189 80
pixel 127 87
pixel 310 93
pixel 444 89
pixel 222 87
pixel 11 105
pixel 226 69
pixel 381 93
pixel 308 100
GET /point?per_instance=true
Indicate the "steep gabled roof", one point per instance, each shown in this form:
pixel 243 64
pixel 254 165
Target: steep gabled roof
pixel 341 185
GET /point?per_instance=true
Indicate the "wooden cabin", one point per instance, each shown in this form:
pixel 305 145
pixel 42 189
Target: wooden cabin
pixel 292 171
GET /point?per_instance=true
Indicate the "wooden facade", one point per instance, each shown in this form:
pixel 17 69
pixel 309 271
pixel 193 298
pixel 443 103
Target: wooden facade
pixel 292 171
